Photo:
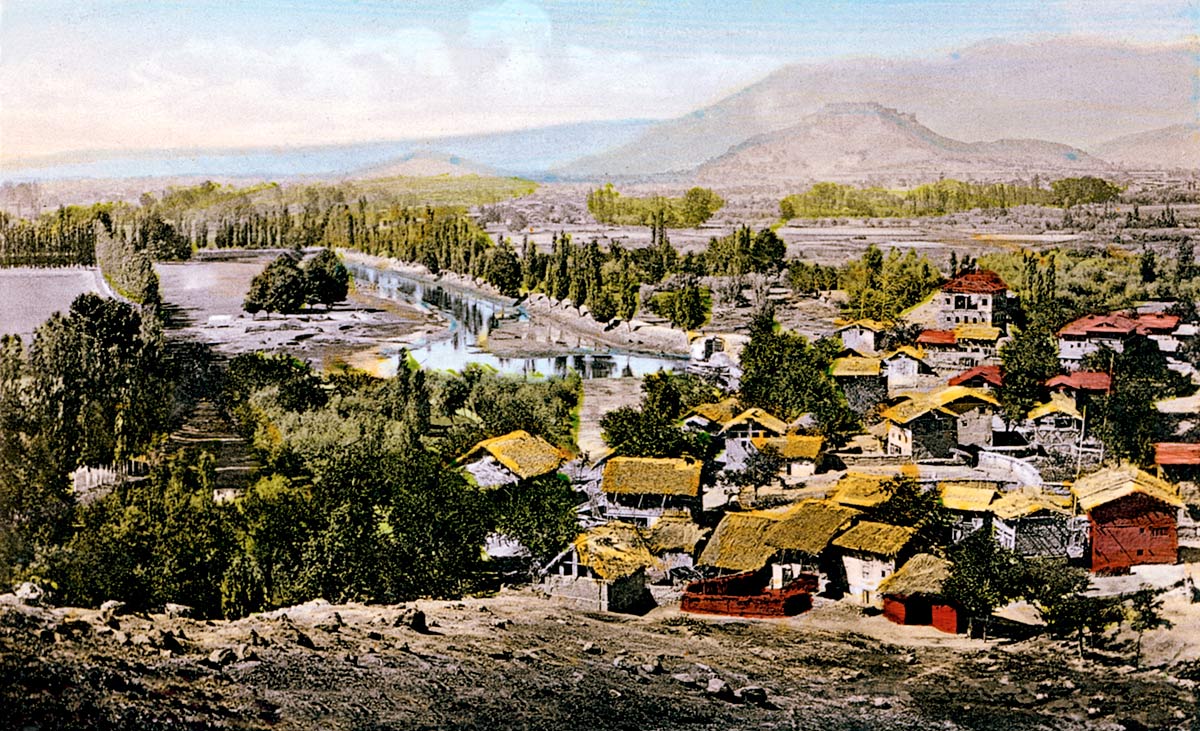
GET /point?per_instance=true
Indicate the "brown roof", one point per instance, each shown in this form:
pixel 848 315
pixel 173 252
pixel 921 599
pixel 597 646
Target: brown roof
pixel 651 476
pixel 990 374
pixel 614 550
pixel 936 337
pixel 792 446
pixel 866 324
pixel 950 400
pixel 1096 381
pixel 524 454
pixel 854 367
pixel 861 490
pixel 809 526
pixel 880 539
pixel 1176 453
pixel 674 533
pixel 1113 483
pixel 1119 324
pixel 740 541
pixel 976 331
pixel 923 574
pixel 983 281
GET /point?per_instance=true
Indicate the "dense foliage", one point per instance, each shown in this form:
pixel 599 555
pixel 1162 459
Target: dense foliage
pixel 695 207
pixel 881 288
pixel 285 285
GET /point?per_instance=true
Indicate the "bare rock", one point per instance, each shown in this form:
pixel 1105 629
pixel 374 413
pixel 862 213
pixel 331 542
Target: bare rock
pixel 881 703
pixel 111 608
pixel 30 594
pixel 221 657
pixel 591 648
pixel 718 688
pixel 178 611
pixel 413 619
pixel 752 694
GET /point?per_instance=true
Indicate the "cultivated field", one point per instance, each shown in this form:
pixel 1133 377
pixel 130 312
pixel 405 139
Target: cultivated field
pixel 29 296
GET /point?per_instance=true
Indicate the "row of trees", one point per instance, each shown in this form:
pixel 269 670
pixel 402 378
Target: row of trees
pixel 695 207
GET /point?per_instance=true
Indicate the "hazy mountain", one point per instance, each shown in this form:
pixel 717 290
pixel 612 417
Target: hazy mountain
pixel 1075 91
pixel 1177 146
pixel 523 152
pixel 860 142
pixel 421 164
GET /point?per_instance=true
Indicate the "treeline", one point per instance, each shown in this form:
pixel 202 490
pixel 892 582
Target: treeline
pixel 695 207
pixel 834 200
pixel 126 264
pixel 65 237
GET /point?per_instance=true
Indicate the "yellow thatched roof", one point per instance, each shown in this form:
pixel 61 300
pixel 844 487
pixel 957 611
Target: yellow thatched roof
pixel 720 412
pixel 966 496
pixel 906 350
pixel 922 574
pixel 651 476
pixel 614 550
pixel 523 453
pixel 740 541
pixel 1025 502
pixel 809 525
pixel 878 538
pixel 854 366
pixel 950 400
pixel 674 533
pixel 977 331
pixel 860 490
pixel 769 422
pixel 866 324
pixel 792 446
pixel 1114 483
pixel 1059 403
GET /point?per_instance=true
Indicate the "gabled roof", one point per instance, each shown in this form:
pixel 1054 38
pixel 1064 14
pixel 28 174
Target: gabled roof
pixel 1059 403
pixel 921 575
pixel 1176 453
pixel 861 490
pixel 614 550
pixel 809 525
pixel 1117 324
pixel 983 281
pixel 1113 483
pixel 524 454
pixel 740 541
pixel 1025 502
pixel 866 324
pixel 1157 323
pixel 990 374
pixel 949 400
pixel 966 497
pixel 854 366
pixel 651 476
pixel 906 351
pixel 976 331
pixel 719 412
pixel 792 446
pixel 880 539
pixel 758 415
pixel 936 337
pixel 674 533
pixel 1094 381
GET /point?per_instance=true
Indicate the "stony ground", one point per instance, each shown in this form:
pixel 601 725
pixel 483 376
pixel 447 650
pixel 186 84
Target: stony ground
pixel 520 661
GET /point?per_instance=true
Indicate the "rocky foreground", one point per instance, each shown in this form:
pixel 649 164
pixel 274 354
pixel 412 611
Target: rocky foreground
pixel 520 661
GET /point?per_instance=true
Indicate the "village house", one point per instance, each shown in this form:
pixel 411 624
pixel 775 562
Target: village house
pixel 933 425
pixel 966 346
pixel 1133 517
pixel 1177 461
pixel 1081 386
pixel 711 418
pixel 862 381
pixel 862 491
pixel 1034 524
pixel 641 490
pixel 904 366
pixel 941 350
pixel 738 431
pixel 871 552
pixel 864 337
pixel 1090 333
pixel 511 458
pixel 1055 427
pixel 984 377
pixel 604 570
pixel 969 504
pixel 800 454
pixel 973 297
pixel 672 541
pixel 913 595
pixel 717 358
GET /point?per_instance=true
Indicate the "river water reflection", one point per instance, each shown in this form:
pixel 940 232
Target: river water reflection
pixel 471 316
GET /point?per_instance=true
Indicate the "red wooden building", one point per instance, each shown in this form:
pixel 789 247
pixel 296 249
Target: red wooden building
pixel 748 595
pixel 1133 517
pixel 913 595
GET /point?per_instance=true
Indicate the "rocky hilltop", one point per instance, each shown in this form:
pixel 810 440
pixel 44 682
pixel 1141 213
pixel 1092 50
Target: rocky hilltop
pixel 519 661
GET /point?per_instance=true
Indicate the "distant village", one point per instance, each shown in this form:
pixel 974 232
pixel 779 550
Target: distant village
pixel 654 531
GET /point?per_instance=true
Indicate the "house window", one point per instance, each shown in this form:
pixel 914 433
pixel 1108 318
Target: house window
pixel 1159 532
pixel 1140 552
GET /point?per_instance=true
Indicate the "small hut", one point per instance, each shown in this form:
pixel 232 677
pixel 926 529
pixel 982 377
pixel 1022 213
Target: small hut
pixel 871 552
pixel 603 570
pixel 913 595
pixel 511 458
pixel 644 489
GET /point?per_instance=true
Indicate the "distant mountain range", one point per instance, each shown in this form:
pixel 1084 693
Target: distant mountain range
pixel 856 142
pixel 832 119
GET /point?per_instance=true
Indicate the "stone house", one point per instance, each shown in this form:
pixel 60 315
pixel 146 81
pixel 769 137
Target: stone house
pixel 738 431
pixel 604 570
pixel 973 297
pixel 1055 427
pixel 511 458
pixel 800 454
pixel 641 490
pixel 984 377
pixel 862 380
pixel 904 366
pixel 871 552
pixel 932 425
pixel 1034 524
pixel 969 504
pixel 864 337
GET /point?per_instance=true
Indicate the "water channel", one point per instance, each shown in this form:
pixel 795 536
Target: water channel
pixel 471 315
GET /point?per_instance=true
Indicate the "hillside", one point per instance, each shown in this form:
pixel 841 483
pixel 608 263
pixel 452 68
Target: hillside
pixel 1177 146
pixel 872 143
pixel 422 164
pixel 1042 90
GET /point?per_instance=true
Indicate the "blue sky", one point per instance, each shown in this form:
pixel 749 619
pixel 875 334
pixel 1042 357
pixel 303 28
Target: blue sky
pixel 125 75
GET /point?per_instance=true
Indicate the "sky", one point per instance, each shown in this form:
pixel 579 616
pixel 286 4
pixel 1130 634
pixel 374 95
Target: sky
pixel 123 75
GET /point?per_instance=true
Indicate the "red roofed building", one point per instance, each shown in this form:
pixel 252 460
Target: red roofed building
pixel 973 297
pixel 1082 386
pixel 1178 461
pixel 984 376
pixel 1091 332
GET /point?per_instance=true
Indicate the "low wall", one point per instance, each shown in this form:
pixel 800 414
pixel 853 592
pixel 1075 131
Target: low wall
pixel 1022 472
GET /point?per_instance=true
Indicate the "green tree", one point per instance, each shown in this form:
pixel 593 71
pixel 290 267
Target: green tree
pixel 540 513
pixel 326 279
pixel 1029 360
pixel 1146 607
pixel 281 287
pixel 983 577
pixel 1059 592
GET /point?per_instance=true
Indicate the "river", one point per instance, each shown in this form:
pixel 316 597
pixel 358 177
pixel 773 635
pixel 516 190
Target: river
pixel 472 315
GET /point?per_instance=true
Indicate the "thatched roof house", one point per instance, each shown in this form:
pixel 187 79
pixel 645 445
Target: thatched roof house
pixel 520 453
pixel 922 575
pixel 1114 483
pixel 809 525
pixel 651 476
pixel 792 446
pixel 879 539
pixel 861 490
pixel 614 551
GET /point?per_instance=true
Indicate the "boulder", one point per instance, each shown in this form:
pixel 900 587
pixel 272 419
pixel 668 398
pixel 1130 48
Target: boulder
pixel 413 619
pixel 178 611
pixel 718 688
pixel 111 608
pixel 221 656
pixel 752 694
pixel 30 594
